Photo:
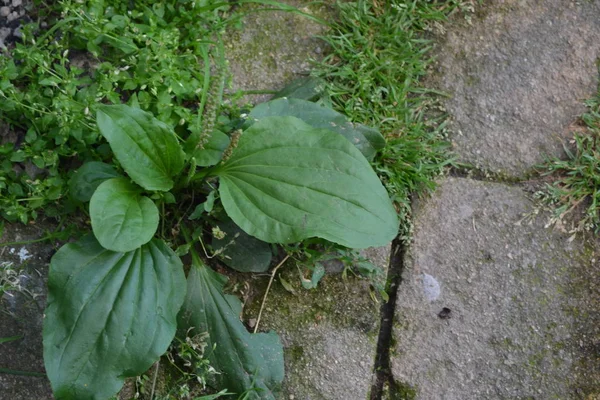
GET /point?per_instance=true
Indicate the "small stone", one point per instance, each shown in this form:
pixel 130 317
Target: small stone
pixel 14 15
pixel 17 3
pixel 446 313
pixel 4 11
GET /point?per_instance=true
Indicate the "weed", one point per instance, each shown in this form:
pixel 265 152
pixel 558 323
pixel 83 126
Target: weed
pixel 147 56
pixel 378 58
pixel 577 179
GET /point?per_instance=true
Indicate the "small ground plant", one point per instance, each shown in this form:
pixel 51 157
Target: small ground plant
pixel 575 190
pixel 291 172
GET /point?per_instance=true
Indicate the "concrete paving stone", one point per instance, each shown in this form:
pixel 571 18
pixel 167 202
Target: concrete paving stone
pixel 274 48
pixel 516 310
pixel 518 77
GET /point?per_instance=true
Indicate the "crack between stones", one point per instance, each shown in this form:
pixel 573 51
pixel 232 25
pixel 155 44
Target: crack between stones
pixel 382 371
pixel 477 174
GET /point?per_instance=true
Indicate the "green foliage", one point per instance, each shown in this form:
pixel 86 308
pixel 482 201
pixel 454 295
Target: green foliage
pixel 212 151
pixel 367 140
pixel 122 220
pixel 287 181
pixel 145 53
pixel 146 148
pixel 241 251
pixel 246 362
pixel 307 88
pixel 86 179
pixel 577 179
pixel 109 315
pixel 290 180
pixel 373 73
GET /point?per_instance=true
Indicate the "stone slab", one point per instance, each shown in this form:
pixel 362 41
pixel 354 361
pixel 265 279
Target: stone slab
pixel 524 320
pixel 273 48
pixel 518 77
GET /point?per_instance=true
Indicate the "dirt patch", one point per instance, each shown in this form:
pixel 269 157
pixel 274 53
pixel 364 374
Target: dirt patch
pixel 22 309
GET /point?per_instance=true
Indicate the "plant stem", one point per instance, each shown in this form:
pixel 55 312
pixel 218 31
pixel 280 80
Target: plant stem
pixel 262 306
pixel 154 380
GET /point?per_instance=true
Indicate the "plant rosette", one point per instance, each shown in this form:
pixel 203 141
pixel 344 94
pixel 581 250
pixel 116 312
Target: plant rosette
pixel 118 296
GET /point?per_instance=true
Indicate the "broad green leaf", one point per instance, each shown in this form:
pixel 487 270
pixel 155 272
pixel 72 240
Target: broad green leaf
pixel 287 181
pixel 122 219
pixel 307 88
pixel 367 140
pixel 244 360
pixel 213 150
pixel 241 251
pixel 146 147
pixel 109 316
pixel 88 177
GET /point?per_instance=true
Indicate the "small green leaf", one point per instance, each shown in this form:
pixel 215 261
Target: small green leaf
pixel 213 150
pixel 183 249
pixel 241 251
pixel 9 339
pixel 88 177
pixel 286 285
pixel 206 206
pixel 122 219
pixel 244 361
pixel 287 181
pixel 317 273
pixel 146 147
pixel 109 315
pixel 367 140
pixel 307 88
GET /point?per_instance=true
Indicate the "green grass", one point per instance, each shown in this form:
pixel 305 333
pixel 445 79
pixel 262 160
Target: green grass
pixel 379 56
pixel 575 191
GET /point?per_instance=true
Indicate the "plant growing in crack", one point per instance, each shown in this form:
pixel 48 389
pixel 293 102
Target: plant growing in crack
pixel 291 170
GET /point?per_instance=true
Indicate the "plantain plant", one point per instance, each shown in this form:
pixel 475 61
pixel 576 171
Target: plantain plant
pixel 118 296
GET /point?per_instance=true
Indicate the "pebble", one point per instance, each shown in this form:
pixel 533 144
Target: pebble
pixel 17 3
pixel 4 11
pixel 14 15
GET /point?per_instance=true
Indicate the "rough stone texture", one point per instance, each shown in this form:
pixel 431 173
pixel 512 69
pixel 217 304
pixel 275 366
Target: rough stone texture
pixel 524 321
pixel 12 15
pixel 329 334
pixel 518 77
pixel 273 48
pixel 21 313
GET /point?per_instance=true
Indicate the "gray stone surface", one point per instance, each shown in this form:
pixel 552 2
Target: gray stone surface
pixel 518 77
pixel 524 320
pixel 329 334
pixel 273 48
pixel 21 311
